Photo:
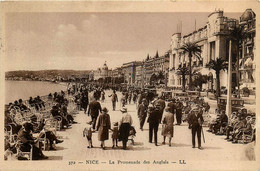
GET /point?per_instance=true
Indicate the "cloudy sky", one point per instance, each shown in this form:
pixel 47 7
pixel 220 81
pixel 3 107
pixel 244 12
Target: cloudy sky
pixel 83 41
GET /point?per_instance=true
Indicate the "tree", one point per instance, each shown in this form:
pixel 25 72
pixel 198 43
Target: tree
pixel 217 65
pixel 199 80
pixel 193 50
pixel 183 71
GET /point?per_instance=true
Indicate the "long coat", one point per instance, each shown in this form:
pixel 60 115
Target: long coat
pixel 103 127
pixel 142 111
pixel 94 108
pixel 168 120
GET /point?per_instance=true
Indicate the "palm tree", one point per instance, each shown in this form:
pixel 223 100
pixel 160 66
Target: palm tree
pixel 191 49
pixel 183 71
pixel 217 65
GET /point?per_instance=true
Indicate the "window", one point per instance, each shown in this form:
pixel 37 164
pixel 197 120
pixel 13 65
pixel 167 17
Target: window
pixel 212 50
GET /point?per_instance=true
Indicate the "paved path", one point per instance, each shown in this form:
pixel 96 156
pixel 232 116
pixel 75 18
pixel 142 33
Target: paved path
pixel 75 145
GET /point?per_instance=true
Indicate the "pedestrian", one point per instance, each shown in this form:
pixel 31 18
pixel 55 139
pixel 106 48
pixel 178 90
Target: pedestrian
pixel 93 110
pixel 130 97
pixel 123 99
pixel 103 127
pixel 160 103
pixel 114 99
pixel 103 95
pixel 84 102
pixel 179 107
pixel 168 127
pixel 134 97
pixel 124 127
pixel 88 133
pixel 195 120
pixel 142 113
pixel 115 134
pixel 153 120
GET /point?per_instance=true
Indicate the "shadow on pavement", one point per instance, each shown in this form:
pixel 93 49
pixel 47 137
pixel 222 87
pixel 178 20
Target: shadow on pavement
pixel 211 148
pixel 55 158
pixel 180 145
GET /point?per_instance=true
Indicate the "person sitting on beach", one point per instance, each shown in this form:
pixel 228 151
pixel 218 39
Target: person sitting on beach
pixel 21 105
pixel 28 141
pixel 40 102
pixel 56 112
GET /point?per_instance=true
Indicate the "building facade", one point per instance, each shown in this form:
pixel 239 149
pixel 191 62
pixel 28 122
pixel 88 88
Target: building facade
pixel 129 72
pixel 213 40
pixel 103 72
pixel 247 48
pixel 154 65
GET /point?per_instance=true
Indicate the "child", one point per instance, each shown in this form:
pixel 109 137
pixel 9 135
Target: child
pixel 88 133
pixel 115 134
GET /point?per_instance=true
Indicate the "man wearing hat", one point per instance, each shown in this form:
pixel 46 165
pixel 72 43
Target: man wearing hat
pixel 103 127
pixel 124 126
pixel 28 142
pixel 195 121
pixel 142 113
pixel 114 99
pixel 179 107
pixel 160 104
pixel 93 110
pixel 154 118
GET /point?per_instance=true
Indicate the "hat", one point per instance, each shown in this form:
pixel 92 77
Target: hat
pixel 123 110
pixel 105 109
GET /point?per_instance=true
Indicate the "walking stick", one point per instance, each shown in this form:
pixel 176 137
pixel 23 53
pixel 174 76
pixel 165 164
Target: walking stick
pixel 202 134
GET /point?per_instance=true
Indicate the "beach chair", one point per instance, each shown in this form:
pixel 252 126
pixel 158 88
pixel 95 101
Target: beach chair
pixel 20 153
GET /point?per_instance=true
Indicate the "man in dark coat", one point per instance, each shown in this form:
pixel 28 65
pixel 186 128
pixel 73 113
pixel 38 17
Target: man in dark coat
pixel 179 107
pixel 28 142
pixel 142 113
pixel 195 121
pixel 114 99
pixel 160 103
pixel 153 120
pixel 93 111
pixel 172 106
pixel 84 102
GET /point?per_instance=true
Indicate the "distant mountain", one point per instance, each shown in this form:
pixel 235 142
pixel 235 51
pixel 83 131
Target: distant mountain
pixel 47 73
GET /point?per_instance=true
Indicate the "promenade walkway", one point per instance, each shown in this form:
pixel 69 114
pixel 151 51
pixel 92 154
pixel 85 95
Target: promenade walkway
pixel 75 145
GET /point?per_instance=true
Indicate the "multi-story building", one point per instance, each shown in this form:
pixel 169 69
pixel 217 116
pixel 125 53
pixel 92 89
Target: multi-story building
pixel 213 41
pixel 139 82
pixel 101 72
pixel 154 65
pixel 129 72
pixel 247 49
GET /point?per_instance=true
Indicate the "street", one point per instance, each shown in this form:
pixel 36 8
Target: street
pixel 75 145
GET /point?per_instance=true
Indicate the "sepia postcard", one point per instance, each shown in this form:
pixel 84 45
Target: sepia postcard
pixel 129 85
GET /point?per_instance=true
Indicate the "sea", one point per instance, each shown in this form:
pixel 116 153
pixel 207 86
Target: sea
pixel 15 90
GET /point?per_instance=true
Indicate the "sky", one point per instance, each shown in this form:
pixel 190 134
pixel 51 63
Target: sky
pixel 84 41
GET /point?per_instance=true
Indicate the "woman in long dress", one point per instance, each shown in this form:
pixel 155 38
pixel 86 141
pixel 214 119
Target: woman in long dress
pixel 103 127
pixel 124 127
pixel 167 127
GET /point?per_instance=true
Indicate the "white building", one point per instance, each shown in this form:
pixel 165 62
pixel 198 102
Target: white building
pixel 212 40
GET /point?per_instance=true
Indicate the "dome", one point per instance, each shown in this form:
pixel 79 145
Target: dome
pixel 105 66
pixel 247 15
